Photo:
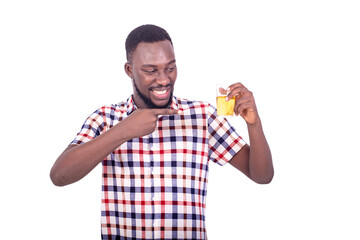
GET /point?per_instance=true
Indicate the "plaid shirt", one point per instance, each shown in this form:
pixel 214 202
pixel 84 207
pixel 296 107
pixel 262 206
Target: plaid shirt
pixel 154 187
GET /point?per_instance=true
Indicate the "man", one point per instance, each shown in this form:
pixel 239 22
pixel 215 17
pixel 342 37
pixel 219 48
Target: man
pixel 155 148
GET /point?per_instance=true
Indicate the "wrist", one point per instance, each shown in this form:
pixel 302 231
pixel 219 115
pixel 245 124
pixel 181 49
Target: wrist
pixel 254 125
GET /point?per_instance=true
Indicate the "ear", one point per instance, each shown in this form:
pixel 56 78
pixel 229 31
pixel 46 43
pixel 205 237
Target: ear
pixel 128 70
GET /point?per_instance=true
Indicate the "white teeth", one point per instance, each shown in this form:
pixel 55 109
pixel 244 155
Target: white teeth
pixel 160 92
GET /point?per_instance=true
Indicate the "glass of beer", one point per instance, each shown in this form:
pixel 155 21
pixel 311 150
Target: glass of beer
pixel 224 108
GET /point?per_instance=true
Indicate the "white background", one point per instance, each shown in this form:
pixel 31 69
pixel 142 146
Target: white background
pixel 60 60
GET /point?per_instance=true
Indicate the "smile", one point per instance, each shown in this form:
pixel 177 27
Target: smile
pixel 160 92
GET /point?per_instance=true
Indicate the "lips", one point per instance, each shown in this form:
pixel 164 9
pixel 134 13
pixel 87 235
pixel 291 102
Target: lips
pixel 161 93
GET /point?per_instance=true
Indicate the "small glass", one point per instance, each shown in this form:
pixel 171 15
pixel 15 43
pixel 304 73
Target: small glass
pixel 224 108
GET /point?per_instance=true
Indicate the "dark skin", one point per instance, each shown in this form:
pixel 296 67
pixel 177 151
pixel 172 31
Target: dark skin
pixel 153 69
pixel 255 161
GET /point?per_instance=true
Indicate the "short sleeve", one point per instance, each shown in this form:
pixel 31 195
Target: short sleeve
pixel 224 142
pixel 93 126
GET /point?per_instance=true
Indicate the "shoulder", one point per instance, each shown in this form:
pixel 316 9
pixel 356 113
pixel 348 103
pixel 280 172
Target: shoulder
pixel 202 107
pixel 112 111
pixel 184 104
pixel 120 107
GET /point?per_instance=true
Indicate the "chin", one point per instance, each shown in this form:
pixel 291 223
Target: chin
pixel 166 104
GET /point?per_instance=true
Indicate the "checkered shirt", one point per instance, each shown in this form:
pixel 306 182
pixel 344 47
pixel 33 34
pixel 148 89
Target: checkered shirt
pixel 154 187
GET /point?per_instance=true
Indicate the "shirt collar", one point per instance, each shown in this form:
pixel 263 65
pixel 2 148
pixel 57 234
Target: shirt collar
pixel 131 106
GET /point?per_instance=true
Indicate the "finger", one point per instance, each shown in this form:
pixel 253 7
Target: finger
pixel 238 86
pixel 242 100
pixel 239 92
pixel 235 85
pixel 222 91
pixel 166 111
pixel 242 109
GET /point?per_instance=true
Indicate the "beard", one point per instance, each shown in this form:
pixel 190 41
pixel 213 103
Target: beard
pixel 148 101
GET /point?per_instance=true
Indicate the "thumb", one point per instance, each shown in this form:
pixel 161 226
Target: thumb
pixel 166 111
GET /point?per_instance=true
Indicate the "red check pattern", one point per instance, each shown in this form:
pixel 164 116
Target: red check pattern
pixel 154 187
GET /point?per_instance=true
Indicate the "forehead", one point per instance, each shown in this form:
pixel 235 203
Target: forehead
pixel 155 53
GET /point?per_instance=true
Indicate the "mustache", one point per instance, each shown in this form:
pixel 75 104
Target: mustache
pixel 161 87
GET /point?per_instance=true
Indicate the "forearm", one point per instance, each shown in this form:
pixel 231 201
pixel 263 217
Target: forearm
pixel 78 160
pixel 260 161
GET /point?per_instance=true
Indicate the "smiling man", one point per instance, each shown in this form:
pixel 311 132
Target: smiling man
pixel 155 148
pixel 152 61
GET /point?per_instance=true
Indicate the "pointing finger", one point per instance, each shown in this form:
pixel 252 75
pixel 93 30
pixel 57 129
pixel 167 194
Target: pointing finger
pixel 166 111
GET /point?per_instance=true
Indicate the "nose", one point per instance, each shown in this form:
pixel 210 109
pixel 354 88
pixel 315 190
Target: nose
pixel 162 78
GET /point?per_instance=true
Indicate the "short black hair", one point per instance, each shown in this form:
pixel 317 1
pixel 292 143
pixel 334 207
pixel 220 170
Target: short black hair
pixel 145 33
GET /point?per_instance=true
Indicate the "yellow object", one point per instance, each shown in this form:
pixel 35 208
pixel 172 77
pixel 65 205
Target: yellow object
pixel 225 108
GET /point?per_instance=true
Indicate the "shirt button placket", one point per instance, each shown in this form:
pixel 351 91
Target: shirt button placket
pixel 151 157
pixel 148 181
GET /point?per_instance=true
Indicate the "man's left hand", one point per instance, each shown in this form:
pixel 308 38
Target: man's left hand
pixel 244 103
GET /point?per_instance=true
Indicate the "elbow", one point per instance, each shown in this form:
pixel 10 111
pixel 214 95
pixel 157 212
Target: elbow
pixel 264 179
pixel 56 178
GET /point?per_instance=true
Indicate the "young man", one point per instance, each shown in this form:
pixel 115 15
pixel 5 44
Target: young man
pixel 155 148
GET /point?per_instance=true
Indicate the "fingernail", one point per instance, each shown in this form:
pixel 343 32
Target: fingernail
pixel 226 99
pixel 179 112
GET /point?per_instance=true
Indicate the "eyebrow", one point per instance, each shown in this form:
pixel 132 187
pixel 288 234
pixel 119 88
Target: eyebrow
pixel 155 66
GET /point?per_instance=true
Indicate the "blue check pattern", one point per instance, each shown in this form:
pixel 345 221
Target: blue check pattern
pixel 154 187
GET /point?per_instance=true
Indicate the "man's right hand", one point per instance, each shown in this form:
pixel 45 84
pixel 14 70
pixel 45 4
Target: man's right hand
pixel 143 121
pixel 78 160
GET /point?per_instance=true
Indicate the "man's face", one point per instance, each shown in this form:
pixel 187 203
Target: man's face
pixel 153 72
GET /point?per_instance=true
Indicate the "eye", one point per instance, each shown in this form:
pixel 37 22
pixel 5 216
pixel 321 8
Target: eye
pixel 150 71
pixel 171 68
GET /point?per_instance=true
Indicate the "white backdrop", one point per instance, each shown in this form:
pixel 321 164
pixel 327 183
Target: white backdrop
pixel 60 60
